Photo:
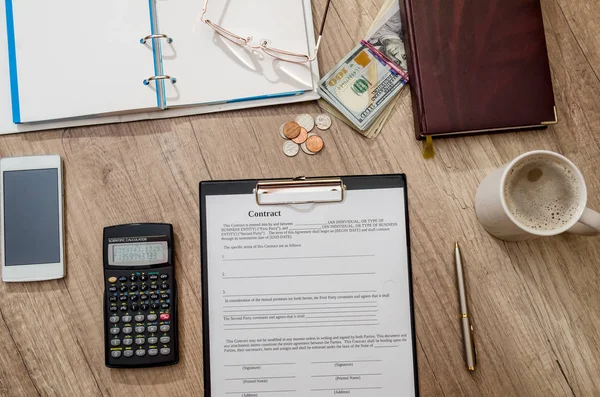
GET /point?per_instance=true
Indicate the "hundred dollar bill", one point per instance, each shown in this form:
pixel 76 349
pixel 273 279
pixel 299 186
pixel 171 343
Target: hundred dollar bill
pixel 362 86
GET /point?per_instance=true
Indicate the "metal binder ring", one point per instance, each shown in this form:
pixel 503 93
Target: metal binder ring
pixel 156 36
pixel 165 77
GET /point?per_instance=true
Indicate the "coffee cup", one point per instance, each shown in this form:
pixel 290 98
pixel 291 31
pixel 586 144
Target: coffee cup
pixel 539 193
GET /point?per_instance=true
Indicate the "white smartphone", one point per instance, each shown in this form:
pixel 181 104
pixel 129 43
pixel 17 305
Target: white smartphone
pixel 31 212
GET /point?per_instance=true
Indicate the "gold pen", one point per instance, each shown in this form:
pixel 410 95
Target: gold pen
pixel 465 320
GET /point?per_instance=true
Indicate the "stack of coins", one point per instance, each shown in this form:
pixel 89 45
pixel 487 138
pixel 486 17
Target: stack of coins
pixel 298 135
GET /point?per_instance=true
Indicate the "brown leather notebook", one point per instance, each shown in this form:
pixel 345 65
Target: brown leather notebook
pixel 477 65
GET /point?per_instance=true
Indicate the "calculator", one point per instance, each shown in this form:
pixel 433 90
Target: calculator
pixel 140 296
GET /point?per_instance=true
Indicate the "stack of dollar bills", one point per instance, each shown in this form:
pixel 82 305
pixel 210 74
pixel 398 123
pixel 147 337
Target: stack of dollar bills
pixel 363 88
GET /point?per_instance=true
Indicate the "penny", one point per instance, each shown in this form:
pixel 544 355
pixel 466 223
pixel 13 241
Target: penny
pixel 323 121
pixel 314 144
pixel 290 148
pixel 291 130
pixel 302 137
pixel 306 121
pixel 281 131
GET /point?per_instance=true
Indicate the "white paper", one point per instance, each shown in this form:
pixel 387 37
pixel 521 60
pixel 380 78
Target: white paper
pixel 81 58
pixel 309 300
pixel 8 127
pixel 210 68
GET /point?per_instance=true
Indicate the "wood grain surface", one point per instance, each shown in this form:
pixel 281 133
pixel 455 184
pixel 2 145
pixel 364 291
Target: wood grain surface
pixel 535 304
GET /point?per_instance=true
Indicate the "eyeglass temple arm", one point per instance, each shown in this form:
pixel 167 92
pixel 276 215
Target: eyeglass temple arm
pixel 320 31
pixel 203 10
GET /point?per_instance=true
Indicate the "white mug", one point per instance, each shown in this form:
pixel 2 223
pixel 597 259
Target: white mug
pixel 494 214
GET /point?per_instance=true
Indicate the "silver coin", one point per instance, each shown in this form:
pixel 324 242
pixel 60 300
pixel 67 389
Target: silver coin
pixel 306 121
pixel 305 149
pixel 323 121
pixel 290 148
pixel 281 132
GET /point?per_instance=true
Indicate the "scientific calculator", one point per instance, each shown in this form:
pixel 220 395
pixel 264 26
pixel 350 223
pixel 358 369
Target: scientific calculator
pixel 140 296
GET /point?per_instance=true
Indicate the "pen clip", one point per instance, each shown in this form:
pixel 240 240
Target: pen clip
pixel 473 345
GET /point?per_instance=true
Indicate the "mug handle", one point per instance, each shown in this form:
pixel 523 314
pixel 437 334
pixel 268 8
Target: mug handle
pixel 588 225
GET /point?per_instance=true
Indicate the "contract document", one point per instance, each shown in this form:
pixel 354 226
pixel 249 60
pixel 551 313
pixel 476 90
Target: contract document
pixel 306 297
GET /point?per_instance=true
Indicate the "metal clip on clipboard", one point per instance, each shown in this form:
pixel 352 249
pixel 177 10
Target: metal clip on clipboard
pixel 300 190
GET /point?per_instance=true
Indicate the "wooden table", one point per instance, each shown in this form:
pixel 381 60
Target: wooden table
pixel 536 304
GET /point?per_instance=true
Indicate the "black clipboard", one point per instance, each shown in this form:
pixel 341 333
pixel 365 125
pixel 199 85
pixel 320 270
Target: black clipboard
pixel 299 190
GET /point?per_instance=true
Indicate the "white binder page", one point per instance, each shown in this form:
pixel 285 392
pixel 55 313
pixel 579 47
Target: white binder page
pixel 211 69
pixel 80 58
pixel 311 300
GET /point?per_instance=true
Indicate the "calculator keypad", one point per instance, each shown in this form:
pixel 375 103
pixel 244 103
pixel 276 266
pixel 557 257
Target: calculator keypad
pixel 140 324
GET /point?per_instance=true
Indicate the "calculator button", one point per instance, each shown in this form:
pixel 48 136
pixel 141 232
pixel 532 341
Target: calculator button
pixel 143 297
pixel 112 299
pixel 112 289
pixel 164 296
pixel 126 319
pixel 115 354
pixel 140 352
pixel 127 341
pixel 154 306
pixel 152 340
pixel 139 329
pixel 165 328
pixel 123 298
pixel 115 331
pixel 112 279
pixel 152 328
pixel 154 277
pixel 115 342
pixel 133 277
pixel 144 307
pixel 140 341
pixel 133 287
pixel 133 298
pixel 123 288
pixel 114 319
pixel 165 339
pixel 122 279
pixel 139 318
pixel 127 330
pixel 128 353
pixel 113 308
pixel 143 277
pixel 165 305
pixel 143 287
pixel 153 287
pixel 151 317
pixel 154 296
pixel 165 350
pixel 164 276
pixel 123 308
pixel 164 286
pixel 134 307
pixel 152 352
pixel 165 316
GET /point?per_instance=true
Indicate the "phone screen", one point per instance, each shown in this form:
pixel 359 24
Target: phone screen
pixel 31 217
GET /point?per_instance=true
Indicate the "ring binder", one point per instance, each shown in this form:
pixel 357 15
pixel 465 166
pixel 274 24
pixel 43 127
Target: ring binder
pixel 163 77
pixel 156 36
pixel 300 190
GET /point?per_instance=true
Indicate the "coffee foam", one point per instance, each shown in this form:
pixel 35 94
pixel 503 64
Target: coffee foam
pixel 542 193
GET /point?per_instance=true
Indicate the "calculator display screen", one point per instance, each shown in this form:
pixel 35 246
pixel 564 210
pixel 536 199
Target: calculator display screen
pixel 138 254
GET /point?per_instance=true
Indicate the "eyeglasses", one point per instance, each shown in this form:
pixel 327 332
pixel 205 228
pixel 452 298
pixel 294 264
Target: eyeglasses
pixel 264 45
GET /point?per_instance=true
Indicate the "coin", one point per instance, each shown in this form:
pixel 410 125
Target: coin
pixel 314 144
pixel 290 148
pixel 291 130
pixel 302 137
pixel 281 131
pixel 305 149
pixel 323 121
pixel 306 121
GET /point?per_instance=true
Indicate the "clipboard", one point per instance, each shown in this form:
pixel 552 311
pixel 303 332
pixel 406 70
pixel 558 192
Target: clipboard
pixel 301 191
